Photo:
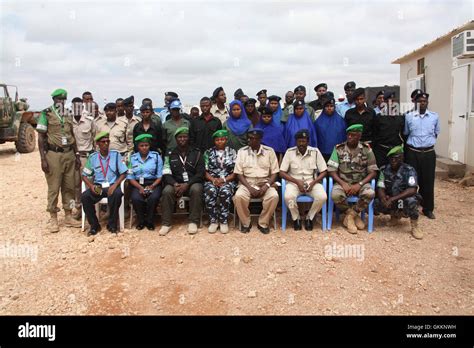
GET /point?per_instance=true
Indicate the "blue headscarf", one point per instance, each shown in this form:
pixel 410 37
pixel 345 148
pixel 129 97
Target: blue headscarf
pixel 238 126
pixel 277 114
pixel 294 124
pixel 272 135
pixel 331 130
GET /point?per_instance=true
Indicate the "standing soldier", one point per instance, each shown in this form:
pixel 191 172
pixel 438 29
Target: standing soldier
pixel 84 131
pixel 59 158
pixel 397 191
pixel 352 166
pixel 422 129
pixel 115 126
pixel 131 119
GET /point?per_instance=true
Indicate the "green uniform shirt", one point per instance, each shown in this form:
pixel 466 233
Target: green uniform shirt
pixel 169 127
pixel 56 126
pixel 352 165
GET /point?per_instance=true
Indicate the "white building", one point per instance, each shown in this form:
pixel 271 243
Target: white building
pixel 444 68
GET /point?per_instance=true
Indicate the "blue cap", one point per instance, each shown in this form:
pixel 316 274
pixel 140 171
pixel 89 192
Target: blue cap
pixel 256 131
pixel 175 104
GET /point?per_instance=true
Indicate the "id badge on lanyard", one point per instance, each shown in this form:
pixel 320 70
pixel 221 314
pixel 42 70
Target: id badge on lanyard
pixel 105 184
pixel 185 173
pixel 141 180
pixel 61 120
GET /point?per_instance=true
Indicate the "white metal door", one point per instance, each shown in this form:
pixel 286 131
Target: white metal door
pixel 459 113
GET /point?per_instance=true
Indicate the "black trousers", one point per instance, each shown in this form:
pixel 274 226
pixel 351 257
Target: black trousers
pixel 145 207
pixel 425 166
pixel 114 201
pixel 380 153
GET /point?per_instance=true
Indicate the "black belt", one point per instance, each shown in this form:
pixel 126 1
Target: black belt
pixel 85 153
pixel 421 149
pixel 58 148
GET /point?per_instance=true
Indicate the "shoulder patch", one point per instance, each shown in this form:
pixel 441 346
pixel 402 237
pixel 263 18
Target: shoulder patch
pixel 341 145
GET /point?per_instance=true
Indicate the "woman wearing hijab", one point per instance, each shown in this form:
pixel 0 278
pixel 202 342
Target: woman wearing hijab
pixel 274 104
pixel 300 119
pixel 252 112
pixel 272 132
pixel 237 125
pixel 330 128
pixel 220 181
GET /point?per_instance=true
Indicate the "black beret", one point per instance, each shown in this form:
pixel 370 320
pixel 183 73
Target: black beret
pixel 388 95
pixel 359 91
pixel 110 106
pixel 320 85
pixel 171 94
pixel 300 88
pixel 216 92
pixel 415 92
pixel 274 97
pixel 349 85
pixel 422 95
pixel 379 93
pixel 298 103
pixel 251 101
pixel 302 133
pixel 238 93
pixel 327 98
pixel 146 106
pixel 263 91
pixel 129 101
pixel 265 110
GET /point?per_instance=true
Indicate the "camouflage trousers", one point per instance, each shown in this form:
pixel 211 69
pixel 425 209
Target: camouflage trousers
pixel 366 194
pixel 407 207
pixel 217 200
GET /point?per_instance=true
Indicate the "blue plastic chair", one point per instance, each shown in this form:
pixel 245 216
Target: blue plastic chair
pixel 350 199
pixel 299 199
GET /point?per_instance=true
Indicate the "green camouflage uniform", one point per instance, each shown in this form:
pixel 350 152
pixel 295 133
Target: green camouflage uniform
pixel 352 166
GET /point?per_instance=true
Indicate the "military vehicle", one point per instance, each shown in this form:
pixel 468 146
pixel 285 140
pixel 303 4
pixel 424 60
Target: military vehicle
pixel 17 123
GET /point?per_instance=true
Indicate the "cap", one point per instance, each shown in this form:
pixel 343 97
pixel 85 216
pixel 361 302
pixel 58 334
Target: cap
pixel 300 88
pixel 220 133
pixel 101 135
pixel 59 93
pixel 274 97
pixel 355 128
pixel 320 85
pixel 263 91
pixel 302 133
pixel 181 130
pixel 175 104
pixel 143 138
pixel 256 131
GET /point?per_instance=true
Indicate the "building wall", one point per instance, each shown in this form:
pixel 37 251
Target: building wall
pixel 438 64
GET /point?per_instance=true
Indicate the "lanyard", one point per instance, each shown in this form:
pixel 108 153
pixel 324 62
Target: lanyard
pixel 102 167
pixel 61 119
pixel 183 161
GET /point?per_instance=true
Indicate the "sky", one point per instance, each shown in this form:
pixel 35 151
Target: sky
pixel 120 48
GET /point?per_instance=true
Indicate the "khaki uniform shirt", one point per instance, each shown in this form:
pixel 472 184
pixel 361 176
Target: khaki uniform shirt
pixel 256 167
pixel 117 133
pixel 131 124
pixel 56 126
pixel 84 132
pixel 222 115
pixel 303 167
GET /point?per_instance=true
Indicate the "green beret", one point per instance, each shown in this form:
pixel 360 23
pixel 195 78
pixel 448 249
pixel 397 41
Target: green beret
pixel 60 93
pixel 101 135
pixel 181 130
pixel 355 128
pixel 397 150
pixel 220 133
pixel 143 138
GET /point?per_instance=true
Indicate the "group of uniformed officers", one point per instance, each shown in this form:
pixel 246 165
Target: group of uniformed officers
pixel 156 157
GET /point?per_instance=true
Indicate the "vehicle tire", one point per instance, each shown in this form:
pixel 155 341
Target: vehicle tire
pixel 26 138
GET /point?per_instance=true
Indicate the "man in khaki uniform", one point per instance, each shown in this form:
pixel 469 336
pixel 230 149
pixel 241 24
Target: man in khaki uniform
pixel 59 158
pixel 352 165
pixel 257 168
pixel 84 132
pixel 131 119
pixel 117 128
pixel 303 167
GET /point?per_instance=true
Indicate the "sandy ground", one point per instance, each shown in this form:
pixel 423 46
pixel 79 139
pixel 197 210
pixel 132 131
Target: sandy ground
pixel 139 272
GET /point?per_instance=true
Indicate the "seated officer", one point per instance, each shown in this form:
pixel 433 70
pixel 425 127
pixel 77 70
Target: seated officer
pixel 352 166
pixel 257 168
pixel 108 170
pixel 397 191
pixel 303 167
pixel 144 174
pixel 183 175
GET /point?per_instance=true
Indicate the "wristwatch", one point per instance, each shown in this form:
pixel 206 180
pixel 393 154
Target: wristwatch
pixel 268 184
pixel 361 183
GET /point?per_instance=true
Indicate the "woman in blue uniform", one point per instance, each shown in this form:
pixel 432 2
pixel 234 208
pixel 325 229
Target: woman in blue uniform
pixel 144 173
